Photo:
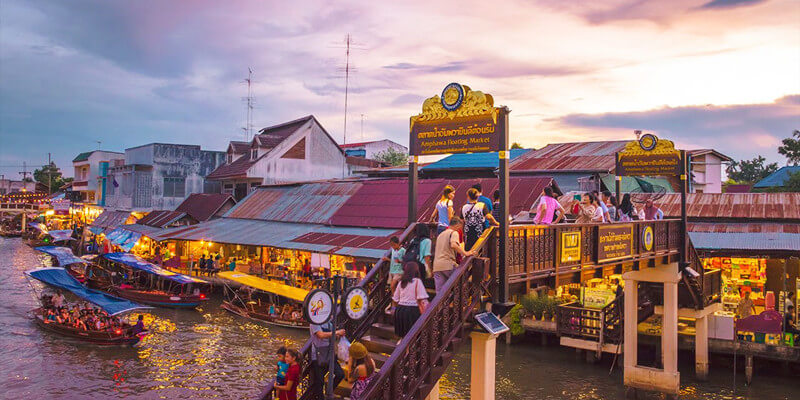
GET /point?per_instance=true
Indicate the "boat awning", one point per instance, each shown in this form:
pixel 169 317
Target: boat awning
pixel 61 235
pixel 351 241
pixel 38 226
pixel 136 262
pixel 279 289
pixel 64 255
pixel 60 278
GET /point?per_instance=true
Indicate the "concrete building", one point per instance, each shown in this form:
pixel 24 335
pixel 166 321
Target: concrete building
pixel 159 176
pixel 91 174
pixel 368 150
pixel 10 186
pixel 706 166
pixel 294 151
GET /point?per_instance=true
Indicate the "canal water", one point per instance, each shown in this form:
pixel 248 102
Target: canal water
pixel 211 354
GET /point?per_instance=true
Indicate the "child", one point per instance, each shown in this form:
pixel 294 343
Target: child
pixel 288 391
pixel 283 366
pixel 395 260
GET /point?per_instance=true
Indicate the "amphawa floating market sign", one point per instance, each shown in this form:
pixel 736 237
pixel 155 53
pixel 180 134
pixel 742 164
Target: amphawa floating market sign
pixel 460 121
pixel 649 156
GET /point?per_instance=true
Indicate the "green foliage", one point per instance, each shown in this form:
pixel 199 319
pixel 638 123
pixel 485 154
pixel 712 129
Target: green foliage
pixel 50 175
pixel 515 321
pixel 791 148
pixel 793 183
pixel 533 304
pixel 392 157
pixel 750 171
pixel 516 145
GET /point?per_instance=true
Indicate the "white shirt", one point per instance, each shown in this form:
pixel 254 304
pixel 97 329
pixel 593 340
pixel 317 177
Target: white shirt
pixel 409 295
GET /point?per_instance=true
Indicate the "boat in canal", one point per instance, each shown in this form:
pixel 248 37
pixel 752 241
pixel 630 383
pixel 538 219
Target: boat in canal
pixel 59 278
pixel 64 258
pixel 264 301
pixel 39 235
pixel 131 277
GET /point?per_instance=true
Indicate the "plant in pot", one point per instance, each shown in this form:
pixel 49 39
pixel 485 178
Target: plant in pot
pixel 532 305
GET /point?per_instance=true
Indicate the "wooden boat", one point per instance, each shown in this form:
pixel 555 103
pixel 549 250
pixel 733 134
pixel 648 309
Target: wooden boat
pixel 63 257
pixel 255 296
pixel 59 278
pixel 120 336
pixel 130 277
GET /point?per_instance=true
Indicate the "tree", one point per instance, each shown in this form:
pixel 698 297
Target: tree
pixel 50 176
pixel 793 183
pixel 516 145
pixel 791 148
pixel 392 157
pixel 750 171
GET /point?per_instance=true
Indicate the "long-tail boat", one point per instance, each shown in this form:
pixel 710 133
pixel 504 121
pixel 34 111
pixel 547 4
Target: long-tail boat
pixel 56 277
pixel 129 276
pixel 64 258
pixel 264 301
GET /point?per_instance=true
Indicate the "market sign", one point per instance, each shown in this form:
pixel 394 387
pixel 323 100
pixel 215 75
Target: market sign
pixel 460 121
pixel 647 239
pixel 614 242
pixel 649 156
pixel 570 247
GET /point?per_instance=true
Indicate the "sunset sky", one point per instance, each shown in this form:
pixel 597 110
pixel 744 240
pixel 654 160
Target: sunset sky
pixel 705 73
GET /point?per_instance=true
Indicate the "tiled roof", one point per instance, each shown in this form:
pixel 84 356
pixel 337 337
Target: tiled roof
pixel 778 178
pixel 272 136
pixel 83 156
pixel 583 156
pixel 473 160
pixel 161 218
pixel 203 206
pixel 239 147
pixel 762 206
pixel 238 168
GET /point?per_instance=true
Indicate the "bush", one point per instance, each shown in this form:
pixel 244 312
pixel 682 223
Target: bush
pixel 515 321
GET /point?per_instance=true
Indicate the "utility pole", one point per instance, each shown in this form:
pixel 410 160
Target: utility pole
pixel 362 127
pixel 346 84
pixel 24 171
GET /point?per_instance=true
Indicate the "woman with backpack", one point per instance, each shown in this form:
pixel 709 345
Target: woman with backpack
pixel 475 214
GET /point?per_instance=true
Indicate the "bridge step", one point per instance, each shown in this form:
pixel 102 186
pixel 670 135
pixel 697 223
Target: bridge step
pixel 377 344
pixel 383 330
pixel 379 359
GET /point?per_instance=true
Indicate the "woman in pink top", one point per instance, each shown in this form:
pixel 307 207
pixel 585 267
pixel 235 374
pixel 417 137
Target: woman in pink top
pixel 411 299
pixel 547 208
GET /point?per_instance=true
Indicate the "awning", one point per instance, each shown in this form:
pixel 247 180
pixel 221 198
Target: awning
pixel 279 289
pixel 286 235
pixel 631 184
pixel 61 235
pixel 142 265
pixel 64 255
pixel 60 278
pixel 38 226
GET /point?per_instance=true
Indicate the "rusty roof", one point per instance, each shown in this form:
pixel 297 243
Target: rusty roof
pixel 161 218
pixel 203 206
pixel 238 168
pixel 760 206
pixel 583 156
pixel 744 227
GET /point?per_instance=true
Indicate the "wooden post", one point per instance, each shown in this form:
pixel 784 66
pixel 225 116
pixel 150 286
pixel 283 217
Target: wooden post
pixel 504 193
pixel 684 220
pixel 412 188
pixel 617 181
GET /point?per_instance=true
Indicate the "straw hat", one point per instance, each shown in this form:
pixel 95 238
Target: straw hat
pixel 357 351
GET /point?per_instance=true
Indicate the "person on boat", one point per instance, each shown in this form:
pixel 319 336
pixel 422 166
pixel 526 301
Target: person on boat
pixel 139 327
pixel 361 370
pixel 286 313
pixel 201 264
pixel 272 309
pixel 288 391
pixel 232 264
pixel 58 299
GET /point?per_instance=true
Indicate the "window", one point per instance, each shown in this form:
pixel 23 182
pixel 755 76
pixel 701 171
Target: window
pixel 230 158
pixel 254 154
pixel 174 187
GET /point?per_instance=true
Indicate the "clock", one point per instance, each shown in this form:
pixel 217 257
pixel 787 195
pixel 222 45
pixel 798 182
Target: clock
pixel 355 302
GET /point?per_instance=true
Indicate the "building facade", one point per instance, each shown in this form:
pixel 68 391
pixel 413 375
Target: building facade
pixel 8 186
pixel 369 150
pixel 706 167
pixel 159 176
pixel 91 174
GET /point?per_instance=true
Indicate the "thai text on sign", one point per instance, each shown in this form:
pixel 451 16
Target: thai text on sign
pixel 614 242
pixel 462 135
pixel 649 165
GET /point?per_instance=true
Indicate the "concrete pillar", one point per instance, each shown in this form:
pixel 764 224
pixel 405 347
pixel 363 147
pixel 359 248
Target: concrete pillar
pixel 669 336
pixel 748 369
pixel 434 394
pixel 631 304
pixel 482 371
pixel 24 222
pixel 701 348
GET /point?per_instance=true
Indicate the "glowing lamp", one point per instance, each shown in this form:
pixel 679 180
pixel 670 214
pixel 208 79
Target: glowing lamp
pixel 118 331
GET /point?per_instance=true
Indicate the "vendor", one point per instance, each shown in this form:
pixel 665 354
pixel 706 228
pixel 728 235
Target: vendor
pixel 745 308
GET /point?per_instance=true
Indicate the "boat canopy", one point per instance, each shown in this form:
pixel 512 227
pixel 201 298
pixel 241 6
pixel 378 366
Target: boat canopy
pixel 280 289
pixel 62 254
pixel 61 235
pixel 38 226
pixel 136 262
pixel 60 278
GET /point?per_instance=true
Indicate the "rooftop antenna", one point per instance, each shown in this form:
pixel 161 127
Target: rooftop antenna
pixel 346 84
pixel 248 128
pixel 24 171
pixel 362 127
pixel 98 144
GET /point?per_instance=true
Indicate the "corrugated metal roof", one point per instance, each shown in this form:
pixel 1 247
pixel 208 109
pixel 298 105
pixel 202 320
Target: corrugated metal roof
pixel 203 206
pixel 785 206
pixel 308 203
pixel 384 203
pixel 746 241
pixel 745 227
pixel 583 156
pixel 277 234
pixel 472 160
pixel 778 178
pixel 150 231
pixel 161 218
pixel 110 220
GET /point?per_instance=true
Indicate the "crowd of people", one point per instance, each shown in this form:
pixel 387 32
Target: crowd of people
pixel 84 317
pixel 593 207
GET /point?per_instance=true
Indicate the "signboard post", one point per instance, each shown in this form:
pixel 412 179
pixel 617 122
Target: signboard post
pixel 463 121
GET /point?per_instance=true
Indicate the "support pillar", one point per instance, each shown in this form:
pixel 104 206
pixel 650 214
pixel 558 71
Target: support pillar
pixel 669 328
pixel 701 348
pixel 24 222
pixel 482 370
pixel 748 369
pixel 631 338
pixel 434 394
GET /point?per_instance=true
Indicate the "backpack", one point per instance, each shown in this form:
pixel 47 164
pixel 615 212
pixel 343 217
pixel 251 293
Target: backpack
pixel 412 251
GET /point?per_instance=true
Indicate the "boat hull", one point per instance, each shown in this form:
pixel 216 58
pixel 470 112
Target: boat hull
pixel 160 299
pixel 99 338
pixel 227 306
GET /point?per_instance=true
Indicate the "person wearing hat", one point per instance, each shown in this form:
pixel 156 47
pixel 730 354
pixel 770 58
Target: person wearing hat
pixel 360 369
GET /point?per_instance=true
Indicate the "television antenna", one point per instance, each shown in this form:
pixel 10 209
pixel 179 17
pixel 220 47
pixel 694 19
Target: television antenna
pixel 248 128
pixel 362 127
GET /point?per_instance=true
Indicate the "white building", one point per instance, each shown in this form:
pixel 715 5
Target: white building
pixel 706 167
pixel 294 151
pixel 368 150
pixel 91 173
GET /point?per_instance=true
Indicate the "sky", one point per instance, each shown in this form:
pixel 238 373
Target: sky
pixel 722 74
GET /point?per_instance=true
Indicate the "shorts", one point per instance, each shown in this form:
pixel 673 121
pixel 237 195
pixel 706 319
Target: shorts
pixel 394 277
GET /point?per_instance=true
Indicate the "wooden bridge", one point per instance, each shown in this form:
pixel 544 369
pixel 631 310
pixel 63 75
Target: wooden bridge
pixel 411 368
